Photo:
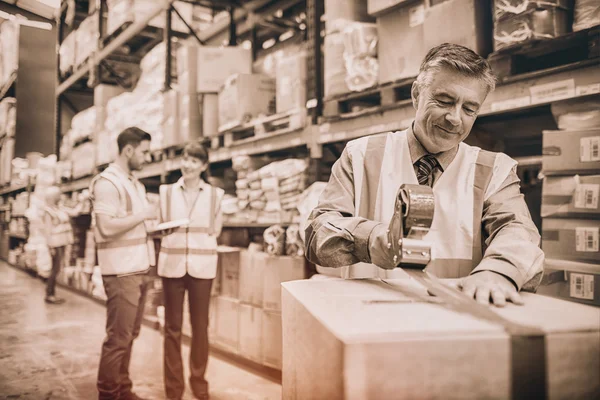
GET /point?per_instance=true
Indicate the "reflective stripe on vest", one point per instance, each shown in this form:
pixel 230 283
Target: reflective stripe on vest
pixel 115 244
pixel 186 251
pixel 131 251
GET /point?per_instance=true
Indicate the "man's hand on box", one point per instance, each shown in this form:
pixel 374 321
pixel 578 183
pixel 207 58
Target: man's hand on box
pixel 489 286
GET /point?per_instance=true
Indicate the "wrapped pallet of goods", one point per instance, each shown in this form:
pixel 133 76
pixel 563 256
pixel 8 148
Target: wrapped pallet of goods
pixel 67 53
pixel 86 39
pixel 121 12
pixel 290 82
pixel 407 32
pixel 351 51
pixel 520 21
pixel 586 15
pixel 8 116
pixel 9 49
pixel 571 202
pixel 146 107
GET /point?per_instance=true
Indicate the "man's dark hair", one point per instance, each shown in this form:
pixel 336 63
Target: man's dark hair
pixel 459 58
pixel 133 136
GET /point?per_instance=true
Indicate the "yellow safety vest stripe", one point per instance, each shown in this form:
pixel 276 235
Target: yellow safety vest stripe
pixel 121 243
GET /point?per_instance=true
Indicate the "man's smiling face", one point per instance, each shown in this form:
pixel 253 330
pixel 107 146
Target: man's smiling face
pixel 447 108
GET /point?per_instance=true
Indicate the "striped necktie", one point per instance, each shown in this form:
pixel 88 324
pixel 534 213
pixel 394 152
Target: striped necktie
pixel 425 167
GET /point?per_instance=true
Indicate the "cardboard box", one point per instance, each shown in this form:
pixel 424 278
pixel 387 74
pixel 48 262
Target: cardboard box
pixel 291 83
pixel 216 65
pixel 171 120
pixel 579 283
pixel 418 27
pixel 272 343
pixel 571 196
pixel 571 152
pixel 244 97
pixel 251 320
pixel 359 339
pixel 190 117
pixel 252 277
pixel 229 267
pixel 279 269
pixel 210 115
pixel 187 67
pixel 571 239
pixel 227 326
pixel 334 65
pixel 103 93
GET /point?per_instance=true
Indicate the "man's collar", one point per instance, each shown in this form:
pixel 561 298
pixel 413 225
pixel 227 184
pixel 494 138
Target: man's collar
pixel 120 170
pixel 417 151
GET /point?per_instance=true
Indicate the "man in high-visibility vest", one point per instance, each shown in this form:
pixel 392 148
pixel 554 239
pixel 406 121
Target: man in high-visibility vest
pixel 125 255
pixel 481 231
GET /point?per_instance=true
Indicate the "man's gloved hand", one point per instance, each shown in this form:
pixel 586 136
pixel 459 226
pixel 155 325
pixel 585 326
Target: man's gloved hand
pixel 380 251
pixel 487 285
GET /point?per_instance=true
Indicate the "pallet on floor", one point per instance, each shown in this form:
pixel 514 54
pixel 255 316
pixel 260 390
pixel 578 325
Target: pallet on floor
pixel 542 54
pixel 272 125
pixel 353 104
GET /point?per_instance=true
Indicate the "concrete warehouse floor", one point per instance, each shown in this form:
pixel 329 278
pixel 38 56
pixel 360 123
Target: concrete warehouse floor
pixel 50 352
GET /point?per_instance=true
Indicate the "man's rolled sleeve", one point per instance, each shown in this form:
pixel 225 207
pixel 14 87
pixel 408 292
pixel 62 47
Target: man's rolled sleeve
pixel 512 239
pixel 335 237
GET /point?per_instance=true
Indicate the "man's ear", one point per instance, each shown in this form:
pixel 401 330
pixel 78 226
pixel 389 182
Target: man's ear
pixel 414 94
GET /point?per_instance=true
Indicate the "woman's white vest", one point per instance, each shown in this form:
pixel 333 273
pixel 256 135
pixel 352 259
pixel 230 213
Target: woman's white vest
pixel 193 249
pixel 472 177
pixel 62 231
pixel 132 251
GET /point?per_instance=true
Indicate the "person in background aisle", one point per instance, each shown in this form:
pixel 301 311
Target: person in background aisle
pixel 125 255
pixel 481 230
pixel 59 235
pixel 188 261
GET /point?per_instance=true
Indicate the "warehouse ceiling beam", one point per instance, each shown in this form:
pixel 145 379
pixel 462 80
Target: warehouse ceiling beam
pixel 189 28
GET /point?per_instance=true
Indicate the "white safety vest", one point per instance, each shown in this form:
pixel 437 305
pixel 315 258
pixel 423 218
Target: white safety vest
pixel 193 249
pixel 62 232
pixel 472 177
pixel 132 251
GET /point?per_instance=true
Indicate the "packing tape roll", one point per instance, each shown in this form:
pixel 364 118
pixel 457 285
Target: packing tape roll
pixel 419 205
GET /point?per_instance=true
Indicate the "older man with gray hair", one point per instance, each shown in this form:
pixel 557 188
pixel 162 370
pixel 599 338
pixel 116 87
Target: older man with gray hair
pixel 482 231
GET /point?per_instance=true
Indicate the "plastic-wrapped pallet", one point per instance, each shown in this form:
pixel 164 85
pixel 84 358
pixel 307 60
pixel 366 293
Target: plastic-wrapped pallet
pixel 274 237
pixel 9 49
pixel 86 39
pixel 8 116
pixel 587 14
pixel 543 22
pixel 84 162
pixel 67 53
pixel 123 11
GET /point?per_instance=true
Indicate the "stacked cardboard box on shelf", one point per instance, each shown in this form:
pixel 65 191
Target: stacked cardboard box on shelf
pixel 244 97
pixel 201 73
pixel 408 30
pixel 571 208
pixel 9 49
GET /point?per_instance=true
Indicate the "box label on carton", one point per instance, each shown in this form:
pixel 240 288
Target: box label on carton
pixel 589 149
pixel 416 16
pixel 552 91
pixel 586 196
pixel 586 239
pixel 582 286
pixel 511 103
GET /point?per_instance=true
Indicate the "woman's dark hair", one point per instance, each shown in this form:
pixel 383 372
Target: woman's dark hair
pixel 198 151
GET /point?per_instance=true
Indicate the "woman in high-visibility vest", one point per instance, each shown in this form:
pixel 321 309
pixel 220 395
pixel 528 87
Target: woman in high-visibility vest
pixel 59 235
pixel 188 261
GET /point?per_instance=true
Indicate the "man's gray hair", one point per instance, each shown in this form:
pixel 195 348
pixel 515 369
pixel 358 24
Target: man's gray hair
pixel 458 58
